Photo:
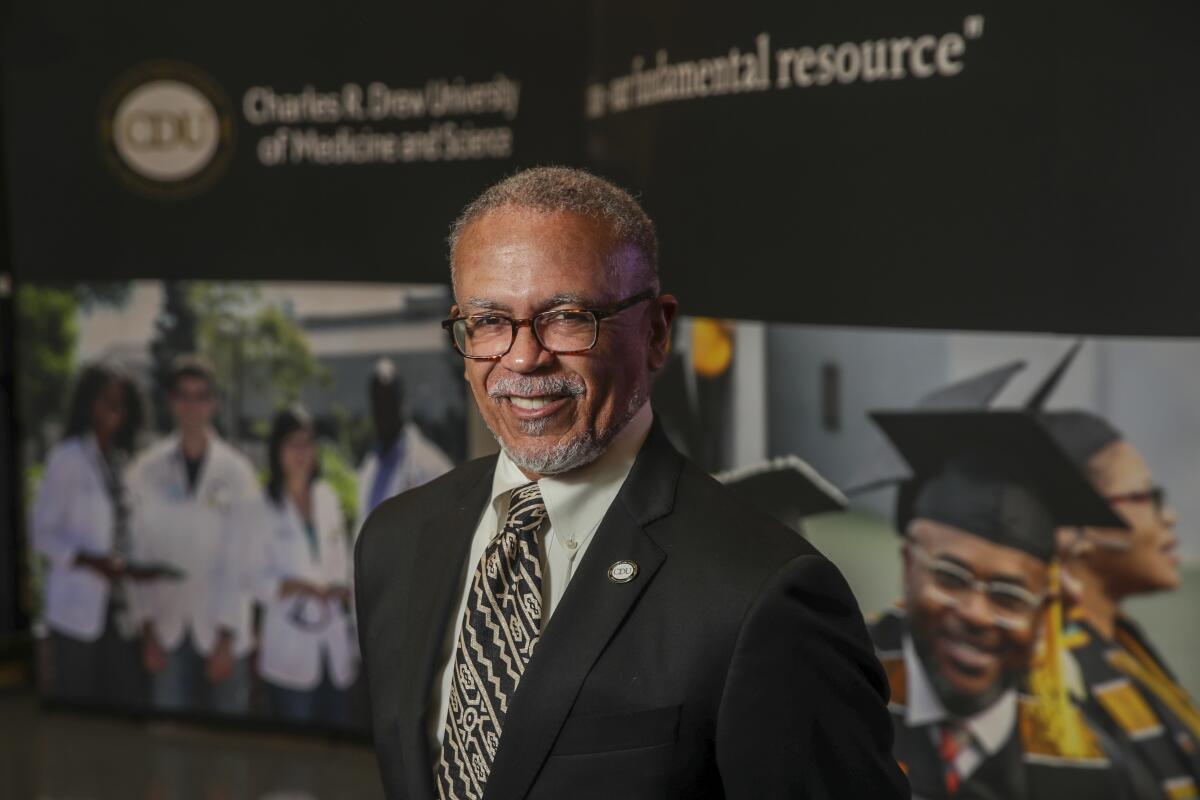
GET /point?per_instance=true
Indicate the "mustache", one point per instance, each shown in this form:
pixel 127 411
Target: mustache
pixel 530 386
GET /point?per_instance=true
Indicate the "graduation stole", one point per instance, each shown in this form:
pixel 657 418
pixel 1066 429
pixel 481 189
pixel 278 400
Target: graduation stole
pixel 1056 722
pixel 1133 660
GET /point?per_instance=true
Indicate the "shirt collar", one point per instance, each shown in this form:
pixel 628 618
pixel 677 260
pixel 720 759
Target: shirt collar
pixel 576 501
pixel 211 444
pixel 990 728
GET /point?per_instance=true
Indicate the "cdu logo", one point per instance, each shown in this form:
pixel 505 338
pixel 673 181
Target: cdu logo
pixel 166 129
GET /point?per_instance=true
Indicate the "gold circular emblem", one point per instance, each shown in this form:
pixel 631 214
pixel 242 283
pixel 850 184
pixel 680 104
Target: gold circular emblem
pixel 166 130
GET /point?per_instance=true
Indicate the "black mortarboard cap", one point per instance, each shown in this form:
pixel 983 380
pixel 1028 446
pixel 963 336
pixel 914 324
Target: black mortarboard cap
pixel 1037 400
pixel 1081 434
pixel 786 488
pixel 886 468
pixel 999 475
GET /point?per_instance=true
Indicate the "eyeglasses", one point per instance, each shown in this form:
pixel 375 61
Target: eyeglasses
pixel 563 331
pixel 1012 606
pixel 1156 495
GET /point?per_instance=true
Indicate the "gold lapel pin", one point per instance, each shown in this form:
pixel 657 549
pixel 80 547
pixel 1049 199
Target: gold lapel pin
pixel 622 572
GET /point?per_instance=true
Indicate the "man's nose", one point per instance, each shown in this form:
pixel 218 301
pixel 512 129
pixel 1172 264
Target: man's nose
pixel 975 609
pixel 526 353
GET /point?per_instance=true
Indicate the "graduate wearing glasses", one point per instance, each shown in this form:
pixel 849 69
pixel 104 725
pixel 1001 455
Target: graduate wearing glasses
pixel 980 702
pixel 1130 690
pixel 1126 687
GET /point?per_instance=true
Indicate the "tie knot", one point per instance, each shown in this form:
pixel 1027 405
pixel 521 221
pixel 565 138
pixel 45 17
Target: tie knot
pixel 526 509
pixel 954 738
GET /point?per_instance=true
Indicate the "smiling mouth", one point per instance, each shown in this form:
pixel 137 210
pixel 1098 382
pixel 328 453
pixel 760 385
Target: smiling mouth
pixel 535 407
pixel 968 657
pixel 532 403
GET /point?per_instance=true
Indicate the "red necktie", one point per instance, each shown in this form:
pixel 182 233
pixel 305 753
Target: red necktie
pixel 948 750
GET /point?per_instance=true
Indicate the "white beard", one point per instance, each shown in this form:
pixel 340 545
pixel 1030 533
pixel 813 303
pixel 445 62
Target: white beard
pixel 570 454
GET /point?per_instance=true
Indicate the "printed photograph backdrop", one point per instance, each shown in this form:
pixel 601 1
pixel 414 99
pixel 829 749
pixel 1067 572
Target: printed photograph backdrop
pixel 272 346
pixel 745 392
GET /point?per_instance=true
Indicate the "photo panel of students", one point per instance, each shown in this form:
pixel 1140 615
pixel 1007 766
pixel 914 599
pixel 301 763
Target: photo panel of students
pixel 198 457
pixel 1108 638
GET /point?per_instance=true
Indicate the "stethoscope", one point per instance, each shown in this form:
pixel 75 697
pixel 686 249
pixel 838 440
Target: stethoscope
pixel 309 614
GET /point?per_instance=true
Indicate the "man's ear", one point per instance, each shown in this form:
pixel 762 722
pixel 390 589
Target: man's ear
pixel 663 314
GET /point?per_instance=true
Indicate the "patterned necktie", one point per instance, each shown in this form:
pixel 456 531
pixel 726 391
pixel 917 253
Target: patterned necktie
pixel 952 740
pixel 499 630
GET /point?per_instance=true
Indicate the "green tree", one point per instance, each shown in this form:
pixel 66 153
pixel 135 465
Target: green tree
pixel 47 332
pixel 341 476
pixel 280 347
pixel 252 344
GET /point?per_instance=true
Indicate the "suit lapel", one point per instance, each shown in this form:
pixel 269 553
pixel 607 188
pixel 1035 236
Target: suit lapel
pixel 434 590
pixel 590 612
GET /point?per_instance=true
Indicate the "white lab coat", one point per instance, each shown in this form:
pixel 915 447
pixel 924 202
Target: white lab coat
pixel 422 462
pixel 73 515
pixel 205 534
pixel 290 655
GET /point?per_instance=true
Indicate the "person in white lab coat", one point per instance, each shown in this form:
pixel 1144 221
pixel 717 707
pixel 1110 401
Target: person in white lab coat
pixel 191 492
pixel 305 653
pixel 80 524
pixel 402 457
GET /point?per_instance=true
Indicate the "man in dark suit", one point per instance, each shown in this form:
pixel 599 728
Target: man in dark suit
pixel 588 614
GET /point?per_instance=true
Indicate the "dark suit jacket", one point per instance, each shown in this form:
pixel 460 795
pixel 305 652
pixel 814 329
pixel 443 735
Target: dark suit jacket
pixel 735 664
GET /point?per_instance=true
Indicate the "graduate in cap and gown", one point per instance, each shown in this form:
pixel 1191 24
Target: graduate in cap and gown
pixel 1130 690
pixel 980 700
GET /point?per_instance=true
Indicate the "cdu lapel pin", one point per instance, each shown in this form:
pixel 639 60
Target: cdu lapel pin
pixel 622 572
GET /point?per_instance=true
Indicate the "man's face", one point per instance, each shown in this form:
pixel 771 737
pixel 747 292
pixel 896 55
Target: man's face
pixel 972 655
pixel 553 413
pixel 192 403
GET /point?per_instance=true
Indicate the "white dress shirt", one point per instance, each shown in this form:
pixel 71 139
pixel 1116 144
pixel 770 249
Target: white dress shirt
pixel 989 729
pixel 576 502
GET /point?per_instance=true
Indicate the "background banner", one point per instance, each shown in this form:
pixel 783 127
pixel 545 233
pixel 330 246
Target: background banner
pixel 998 166
pixel 276 140
pixel 984 166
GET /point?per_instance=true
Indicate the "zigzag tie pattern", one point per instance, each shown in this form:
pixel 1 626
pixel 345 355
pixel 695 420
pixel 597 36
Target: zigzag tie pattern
pixel 499 630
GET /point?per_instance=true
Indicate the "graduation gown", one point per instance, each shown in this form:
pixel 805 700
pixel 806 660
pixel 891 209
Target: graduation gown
pixel 1028 766
pixel 1134 697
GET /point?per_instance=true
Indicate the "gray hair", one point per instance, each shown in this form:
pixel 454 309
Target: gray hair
pixel 554 189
